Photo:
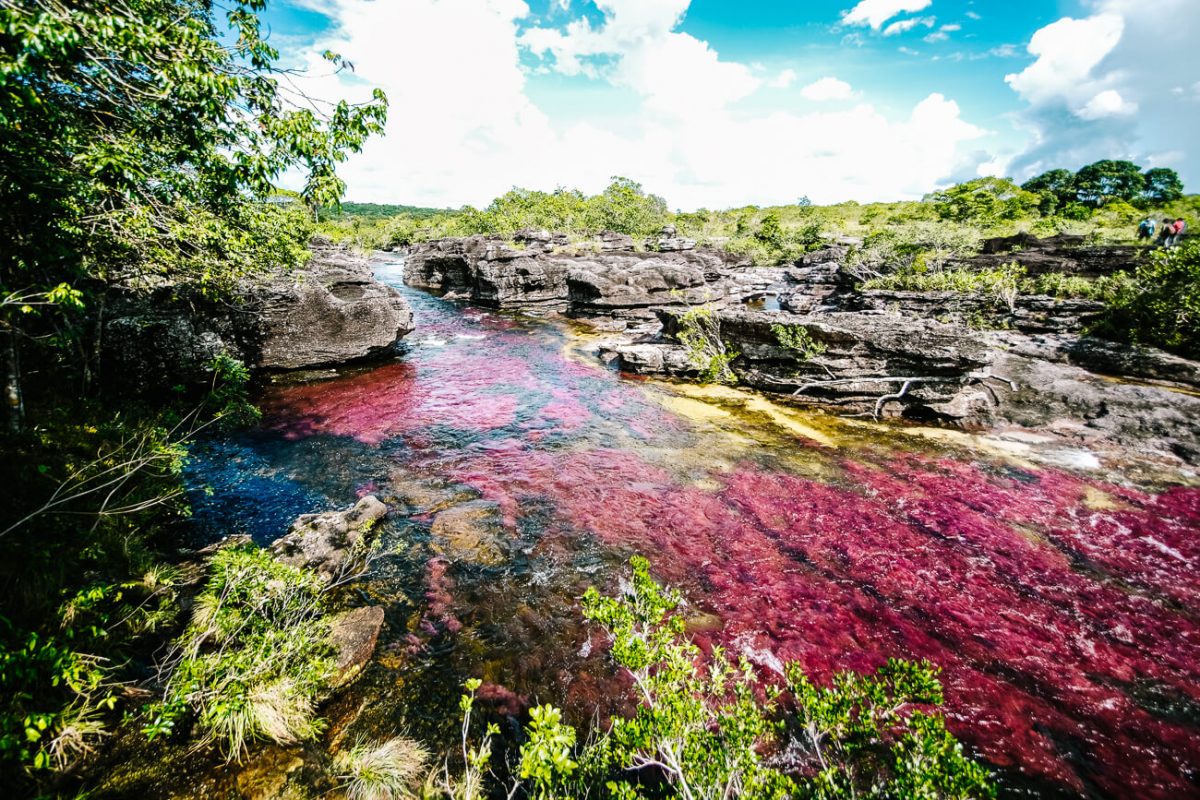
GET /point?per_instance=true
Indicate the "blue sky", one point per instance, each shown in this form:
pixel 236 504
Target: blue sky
pixel 717 103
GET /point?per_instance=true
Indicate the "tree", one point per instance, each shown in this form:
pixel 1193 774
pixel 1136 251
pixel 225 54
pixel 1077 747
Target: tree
pixel 985 201
pixel 624 207
pixel 1056 188
pixel 129 126
pixel 1162 185
pixel 1097 184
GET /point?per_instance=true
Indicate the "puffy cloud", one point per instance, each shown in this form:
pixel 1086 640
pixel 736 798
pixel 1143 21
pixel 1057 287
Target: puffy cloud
pixel 935 37
pixel 827 88
pixel 1108 103
pixel 463 128
pixel 1067 51
pixel 877 12
pixel 1100 87
pixel 784 79
pixel 675 72
pixel 905 25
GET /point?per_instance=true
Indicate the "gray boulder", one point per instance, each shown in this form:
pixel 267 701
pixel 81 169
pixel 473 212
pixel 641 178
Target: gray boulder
pixel 332 311
pixel 857 358
pixel 330 542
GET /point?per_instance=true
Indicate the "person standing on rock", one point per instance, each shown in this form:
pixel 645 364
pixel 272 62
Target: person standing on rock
pixel 1178 229
pixel 1146 229
pixel 1164 233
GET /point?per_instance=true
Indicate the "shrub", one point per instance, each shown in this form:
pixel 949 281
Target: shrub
pixel 712 729
pixel 255 657
pixel 700 332
pixel 706 730
pixel 797 339
pixel 985 201
pixel 1160 306
pixel 381 770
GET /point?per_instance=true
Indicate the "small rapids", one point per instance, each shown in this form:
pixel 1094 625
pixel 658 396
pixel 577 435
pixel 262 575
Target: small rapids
pixel 1061 599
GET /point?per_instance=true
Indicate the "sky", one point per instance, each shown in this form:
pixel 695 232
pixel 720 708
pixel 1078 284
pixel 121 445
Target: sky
pixel 723 103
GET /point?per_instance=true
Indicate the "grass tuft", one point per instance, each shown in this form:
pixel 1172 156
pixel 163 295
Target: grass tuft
pixel 381 771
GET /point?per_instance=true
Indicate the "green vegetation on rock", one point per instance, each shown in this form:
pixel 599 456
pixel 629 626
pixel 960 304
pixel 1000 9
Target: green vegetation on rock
pixel 255 657
pixel 1160 306
pixel 141 144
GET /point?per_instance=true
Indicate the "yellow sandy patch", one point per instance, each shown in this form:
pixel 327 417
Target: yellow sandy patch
pixel 757 404
pixel 692 409
pixel 1015 452
pixel 1097 500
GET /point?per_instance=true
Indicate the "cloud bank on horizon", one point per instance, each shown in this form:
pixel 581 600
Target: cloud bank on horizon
pixel 874 100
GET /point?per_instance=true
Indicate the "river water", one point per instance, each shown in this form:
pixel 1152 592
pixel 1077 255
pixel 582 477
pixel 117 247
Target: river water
pixel 1058 594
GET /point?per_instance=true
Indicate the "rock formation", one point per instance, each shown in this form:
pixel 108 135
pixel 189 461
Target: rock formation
pixel 328 542
pixel 331 311
pixel 539 272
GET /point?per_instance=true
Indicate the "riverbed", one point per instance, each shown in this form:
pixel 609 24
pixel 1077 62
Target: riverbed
pixel 1057 590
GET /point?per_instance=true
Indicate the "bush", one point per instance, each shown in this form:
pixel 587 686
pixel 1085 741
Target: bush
pixel 1160 306
pixel 700 332
pixel 708 730
pixel 381 770
pixel 985 201
pixel 255 657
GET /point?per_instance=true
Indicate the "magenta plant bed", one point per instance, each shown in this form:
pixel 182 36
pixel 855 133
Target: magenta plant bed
pixel 1063 607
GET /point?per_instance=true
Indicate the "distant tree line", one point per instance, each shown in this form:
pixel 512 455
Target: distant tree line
pixel 1100 183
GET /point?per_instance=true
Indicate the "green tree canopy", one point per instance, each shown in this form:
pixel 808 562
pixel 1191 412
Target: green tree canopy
pixel 984 201
pixel 1162 185
pixel 138 136
pixel 1056 187
pixel 625 207
pixel 1098 183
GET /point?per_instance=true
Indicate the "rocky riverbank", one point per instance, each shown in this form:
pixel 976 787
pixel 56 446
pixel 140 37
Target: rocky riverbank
pixel 332 311
pixel 954 358
pixel 540 272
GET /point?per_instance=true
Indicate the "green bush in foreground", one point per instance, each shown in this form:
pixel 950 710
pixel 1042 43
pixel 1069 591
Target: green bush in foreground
pixel 255 657
pixel 1161 305
pixel 709 729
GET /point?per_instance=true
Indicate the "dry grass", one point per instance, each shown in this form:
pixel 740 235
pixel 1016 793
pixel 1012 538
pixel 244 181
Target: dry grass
pixel 381 770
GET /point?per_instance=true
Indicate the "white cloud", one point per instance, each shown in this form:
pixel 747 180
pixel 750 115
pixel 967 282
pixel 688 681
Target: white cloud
pixel 973 15
pixel 784 79
pixel 1067 51
pixel 933 38
pixel 908 51
pixel 676 72
pixel 904 25
pixel 463 127
pixel 1099 88
pixel 877 12
pixel 827 88
pixel 951 28
pixel 1108 103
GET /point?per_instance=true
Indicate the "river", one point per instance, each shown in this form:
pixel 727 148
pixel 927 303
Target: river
pixel 1058 593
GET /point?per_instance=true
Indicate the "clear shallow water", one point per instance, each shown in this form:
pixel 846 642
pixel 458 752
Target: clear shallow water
pixel 1060 600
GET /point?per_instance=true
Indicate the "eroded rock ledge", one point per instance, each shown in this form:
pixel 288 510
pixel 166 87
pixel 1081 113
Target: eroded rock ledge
pixel 332 311
pixel 542 272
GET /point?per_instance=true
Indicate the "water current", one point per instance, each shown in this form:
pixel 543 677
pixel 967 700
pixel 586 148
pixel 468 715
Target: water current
pixel 1058 594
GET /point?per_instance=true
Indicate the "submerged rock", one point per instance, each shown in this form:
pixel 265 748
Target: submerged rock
pixel 354 634
pixel 329 542
pixel 467 532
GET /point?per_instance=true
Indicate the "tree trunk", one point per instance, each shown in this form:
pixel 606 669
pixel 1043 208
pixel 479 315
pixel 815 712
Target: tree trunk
pixel 14 401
